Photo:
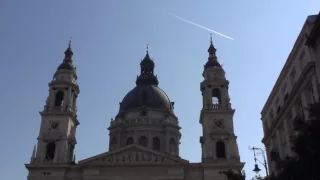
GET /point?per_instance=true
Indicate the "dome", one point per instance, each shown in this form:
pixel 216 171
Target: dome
pixel 212 63
pixel 147 61
pixel 145 95
pixel 66 66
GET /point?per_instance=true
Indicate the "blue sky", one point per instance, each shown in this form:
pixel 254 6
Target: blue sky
pixel 109 40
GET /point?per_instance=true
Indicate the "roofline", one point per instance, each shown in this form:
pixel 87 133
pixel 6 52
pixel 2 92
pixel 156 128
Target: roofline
pixel 314 32
pixel 284 70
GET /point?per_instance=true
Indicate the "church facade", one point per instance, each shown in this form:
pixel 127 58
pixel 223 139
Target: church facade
pixel 144 135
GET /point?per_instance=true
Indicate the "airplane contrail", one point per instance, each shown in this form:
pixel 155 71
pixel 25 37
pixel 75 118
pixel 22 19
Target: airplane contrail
pixel 195 24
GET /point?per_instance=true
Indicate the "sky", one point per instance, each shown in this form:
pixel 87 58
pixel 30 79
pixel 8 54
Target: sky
pixel 109 40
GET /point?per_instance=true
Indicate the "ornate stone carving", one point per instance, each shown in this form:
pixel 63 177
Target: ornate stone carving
pixel 135 157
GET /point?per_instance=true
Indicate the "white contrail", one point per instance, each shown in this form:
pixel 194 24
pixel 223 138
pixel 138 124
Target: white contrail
pixel 182 19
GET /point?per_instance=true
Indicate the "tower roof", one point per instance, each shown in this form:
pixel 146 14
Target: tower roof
pixel 147 76
pixel 147 59
pixel 67 61
pixel 212 59
pixel 146 93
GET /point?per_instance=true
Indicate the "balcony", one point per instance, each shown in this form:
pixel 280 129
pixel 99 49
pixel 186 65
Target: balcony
pixel 214 106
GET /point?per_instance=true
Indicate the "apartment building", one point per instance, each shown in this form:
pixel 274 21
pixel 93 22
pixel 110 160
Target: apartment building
pixel 313 43
pixel 295 88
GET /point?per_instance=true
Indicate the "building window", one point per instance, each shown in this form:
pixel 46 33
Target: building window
pixel 216 96
pixel 277 101
pixel 284 88
pixel 289 121
pixel 129 141
pixel 271 116
pixel 143 113
pixel 113 144
pixel 50 151
pixel 172 146
pixel 156 143
pixel 220 149
pixel 301 58
pixel 59 99
pixel 143 141
pixel 300 109
pixel 312 96
pixel 46 173
pixel 278 110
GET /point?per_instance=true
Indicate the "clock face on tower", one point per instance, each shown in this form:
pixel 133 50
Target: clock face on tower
pixel 54 125
pixel 218 124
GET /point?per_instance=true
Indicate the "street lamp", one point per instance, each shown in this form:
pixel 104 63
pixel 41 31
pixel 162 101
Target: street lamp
pixel 264 163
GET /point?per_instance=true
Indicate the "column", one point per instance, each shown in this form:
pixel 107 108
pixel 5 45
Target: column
pixel 118 139
pixel 41 151
pixel 213 152
pixel 166 142
pixel 203 147
pixel 52 97
pixel 69 103
pixel 149 140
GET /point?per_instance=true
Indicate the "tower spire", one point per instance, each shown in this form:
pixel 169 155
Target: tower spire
pixel 212 59
pixel 147 51
pixel 67 61
pixel 212 50
pixel 147 76
pixel 68 53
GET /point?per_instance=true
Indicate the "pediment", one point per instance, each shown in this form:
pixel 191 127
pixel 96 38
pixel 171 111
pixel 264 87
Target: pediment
pixel 133 154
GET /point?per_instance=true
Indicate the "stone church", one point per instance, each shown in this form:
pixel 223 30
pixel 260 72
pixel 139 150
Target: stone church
pixel 144 135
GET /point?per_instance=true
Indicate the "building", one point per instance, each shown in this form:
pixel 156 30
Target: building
pixel 145 134
pixel 296 87
pixel 313 43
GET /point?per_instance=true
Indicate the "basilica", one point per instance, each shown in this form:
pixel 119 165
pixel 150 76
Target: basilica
pixel 144 135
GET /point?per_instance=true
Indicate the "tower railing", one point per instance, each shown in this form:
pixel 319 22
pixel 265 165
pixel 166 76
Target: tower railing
pixel 214 106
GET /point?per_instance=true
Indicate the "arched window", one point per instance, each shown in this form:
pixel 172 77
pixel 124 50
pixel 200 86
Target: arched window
pixel 59 99
pixel 172 146
pixel 216 96
pixel 129 141
pixel 143 141
pixel 51 148
pixel 220 149
pixel 156 143
pixel 113 144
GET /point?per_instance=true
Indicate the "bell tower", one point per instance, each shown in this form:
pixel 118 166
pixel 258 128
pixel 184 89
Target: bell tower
pixel 218 141
pixel 57 136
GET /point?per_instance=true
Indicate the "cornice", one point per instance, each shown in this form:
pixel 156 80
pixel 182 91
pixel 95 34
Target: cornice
pixel 309 70
pixel 284 70
pixel 68 113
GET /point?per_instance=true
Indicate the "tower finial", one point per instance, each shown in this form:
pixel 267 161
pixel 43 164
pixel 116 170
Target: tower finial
pixel 68 53
pixel 147 49
pixel 70 38
pixel 211 38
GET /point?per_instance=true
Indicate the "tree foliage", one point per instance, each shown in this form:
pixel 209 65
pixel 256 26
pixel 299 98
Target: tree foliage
pixel 305 143
pixel 306 146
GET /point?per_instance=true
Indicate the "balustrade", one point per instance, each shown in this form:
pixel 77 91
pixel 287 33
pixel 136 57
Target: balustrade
pixel 214 106
pixel 144 121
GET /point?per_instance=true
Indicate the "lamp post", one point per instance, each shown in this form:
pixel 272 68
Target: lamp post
pixel 264 163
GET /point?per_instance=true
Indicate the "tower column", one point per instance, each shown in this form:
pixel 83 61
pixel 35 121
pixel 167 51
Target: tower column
pixel 214 153
pixel 58 122
pixel 216 115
